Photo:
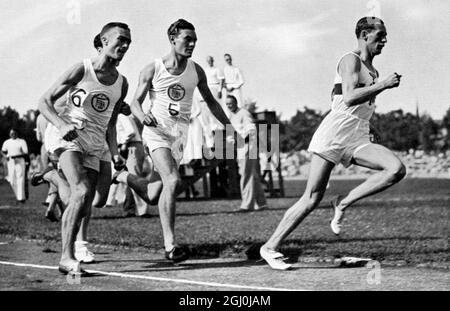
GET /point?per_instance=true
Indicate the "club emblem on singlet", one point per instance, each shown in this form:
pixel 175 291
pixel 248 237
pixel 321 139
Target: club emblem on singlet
pixel 100 102
pixel 176 92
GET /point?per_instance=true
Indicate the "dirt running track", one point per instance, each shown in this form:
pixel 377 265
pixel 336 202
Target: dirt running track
pixel 30 265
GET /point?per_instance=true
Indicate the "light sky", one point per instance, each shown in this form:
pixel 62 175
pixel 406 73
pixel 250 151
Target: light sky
pixel 287 49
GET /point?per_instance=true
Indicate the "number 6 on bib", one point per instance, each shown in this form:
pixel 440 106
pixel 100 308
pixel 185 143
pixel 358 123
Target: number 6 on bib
pixel 174 109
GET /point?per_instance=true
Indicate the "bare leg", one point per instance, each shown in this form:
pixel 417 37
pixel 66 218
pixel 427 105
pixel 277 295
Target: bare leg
pixel 62 186
pixel 79 203
pixel 154 188
pixel 82 253
pixel 100 196
pixel 52 200
pixel 82 233
pixel 103 184
pixel 135 163
pixel 319 174
pixel 55 179
pixel 148 190
pixel 377 157
pixel 167 168
pixel 391 171
pixel 112 200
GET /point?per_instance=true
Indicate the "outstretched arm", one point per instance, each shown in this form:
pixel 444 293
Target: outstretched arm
pixel 145 83
pixel 212 103
pixel 349 69
pixel 46 104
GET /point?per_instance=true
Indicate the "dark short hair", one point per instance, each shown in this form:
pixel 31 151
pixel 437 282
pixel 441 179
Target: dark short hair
pixel 226 54
pixel 112 25
pixel 175 28
pixel 233 98
pixel 367 23
pixel 98 42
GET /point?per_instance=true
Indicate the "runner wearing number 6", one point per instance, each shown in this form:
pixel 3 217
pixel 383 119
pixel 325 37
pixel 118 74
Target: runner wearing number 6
pixel 96 92
pixel 171 81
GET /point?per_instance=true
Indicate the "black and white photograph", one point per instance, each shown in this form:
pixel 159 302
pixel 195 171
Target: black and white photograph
pixel 224 151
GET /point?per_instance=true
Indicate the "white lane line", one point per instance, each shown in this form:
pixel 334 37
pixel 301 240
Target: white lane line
pixel 17 264
pixel 145 277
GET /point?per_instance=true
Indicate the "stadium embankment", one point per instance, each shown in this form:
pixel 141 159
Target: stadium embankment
pixel 418 164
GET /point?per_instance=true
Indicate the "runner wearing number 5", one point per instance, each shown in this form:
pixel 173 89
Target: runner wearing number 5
pixel 171 81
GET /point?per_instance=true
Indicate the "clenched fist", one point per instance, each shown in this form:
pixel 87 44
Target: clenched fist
pixel 68 132
pixel 393 80
pixel 119 163
pixel 149 120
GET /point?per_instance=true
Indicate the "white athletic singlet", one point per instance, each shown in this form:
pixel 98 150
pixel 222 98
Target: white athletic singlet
pixel 89 105
pixel 171 98
pixel 172 95
pixel 345 130
pixel 365 78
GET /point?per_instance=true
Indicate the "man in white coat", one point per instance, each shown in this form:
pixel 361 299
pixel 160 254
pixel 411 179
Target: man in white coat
pixel 234 80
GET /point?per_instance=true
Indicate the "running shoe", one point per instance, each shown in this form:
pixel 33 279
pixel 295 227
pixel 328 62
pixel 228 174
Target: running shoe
pixel 177 254
pixel 276 260
pixel 336 222
pixel 83 254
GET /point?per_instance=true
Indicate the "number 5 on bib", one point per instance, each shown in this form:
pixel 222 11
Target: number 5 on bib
pixel 174 109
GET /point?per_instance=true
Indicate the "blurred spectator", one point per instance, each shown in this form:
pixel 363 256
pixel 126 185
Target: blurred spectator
pixel 234 79
pixel 251 189
pixel 16 151
pixel 215 83
pixel 193 149
pixel 131 147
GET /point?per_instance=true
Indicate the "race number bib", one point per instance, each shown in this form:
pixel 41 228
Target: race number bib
pixel 174 109
pixel 77 97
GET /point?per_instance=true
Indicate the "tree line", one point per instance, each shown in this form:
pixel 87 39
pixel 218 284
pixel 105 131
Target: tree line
pixel 396 130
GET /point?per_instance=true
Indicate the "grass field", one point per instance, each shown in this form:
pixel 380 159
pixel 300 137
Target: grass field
pixel 406 225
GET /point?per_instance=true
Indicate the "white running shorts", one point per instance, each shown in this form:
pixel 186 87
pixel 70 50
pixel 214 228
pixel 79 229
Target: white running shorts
pixel 339 137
